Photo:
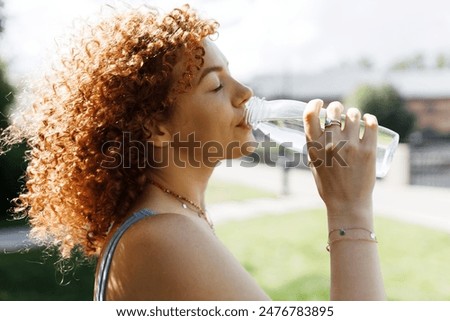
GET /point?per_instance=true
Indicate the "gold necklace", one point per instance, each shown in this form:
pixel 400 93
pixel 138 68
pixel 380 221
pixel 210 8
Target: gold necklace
pixel 200 211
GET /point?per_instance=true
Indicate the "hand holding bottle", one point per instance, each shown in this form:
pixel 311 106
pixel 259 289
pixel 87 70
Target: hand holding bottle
pixel 343 164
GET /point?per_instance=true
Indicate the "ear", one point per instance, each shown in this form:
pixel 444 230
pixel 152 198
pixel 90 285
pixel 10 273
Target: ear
pixel 157 133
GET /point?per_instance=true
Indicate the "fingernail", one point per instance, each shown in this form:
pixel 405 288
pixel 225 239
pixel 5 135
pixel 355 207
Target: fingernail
pixel 317 103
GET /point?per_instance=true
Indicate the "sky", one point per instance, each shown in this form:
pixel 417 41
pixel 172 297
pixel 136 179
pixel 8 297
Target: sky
pixel 259 36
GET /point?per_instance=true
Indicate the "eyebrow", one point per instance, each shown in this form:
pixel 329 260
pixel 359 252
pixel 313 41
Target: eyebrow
pixel 209 70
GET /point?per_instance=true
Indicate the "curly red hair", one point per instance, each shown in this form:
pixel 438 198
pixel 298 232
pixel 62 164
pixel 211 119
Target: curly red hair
pixel 116 75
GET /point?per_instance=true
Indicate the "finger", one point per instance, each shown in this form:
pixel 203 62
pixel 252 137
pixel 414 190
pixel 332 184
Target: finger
pixel 311 119
pixel 370 129
pixel 334 111
pixel 352 124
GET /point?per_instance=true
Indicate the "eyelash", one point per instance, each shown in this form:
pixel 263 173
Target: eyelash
pixel 218 88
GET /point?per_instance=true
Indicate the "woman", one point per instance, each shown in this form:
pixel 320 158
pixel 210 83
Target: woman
pixel 120 160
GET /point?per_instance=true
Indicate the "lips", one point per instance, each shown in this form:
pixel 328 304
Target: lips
pixel 243 123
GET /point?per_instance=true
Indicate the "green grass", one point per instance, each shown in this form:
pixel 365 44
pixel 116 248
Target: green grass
pixel 32 275
pixel 287 256
pixel 415 261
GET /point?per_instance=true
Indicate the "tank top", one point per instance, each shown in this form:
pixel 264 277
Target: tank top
pixel 105 263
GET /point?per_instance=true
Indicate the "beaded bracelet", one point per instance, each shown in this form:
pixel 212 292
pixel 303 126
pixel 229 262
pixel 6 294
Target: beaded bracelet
pixel 351 234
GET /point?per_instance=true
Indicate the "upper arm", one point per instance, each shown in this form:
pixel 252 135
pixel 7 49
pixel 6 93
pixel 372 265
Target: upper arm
pixel 170 257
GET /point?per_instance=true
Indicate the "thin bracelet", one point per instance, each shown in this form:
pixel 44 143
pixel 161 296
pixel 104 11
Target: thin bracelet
pixel 345 234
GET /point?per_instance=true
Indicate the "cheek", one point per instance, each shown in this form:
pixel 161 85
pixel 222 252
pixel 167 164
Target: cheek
pixel 209 120
pixel 185 122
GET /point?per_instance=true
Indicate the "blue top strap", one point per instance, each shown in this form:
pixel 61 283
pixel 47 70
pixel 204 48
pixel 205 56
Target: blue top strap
pixel 105 263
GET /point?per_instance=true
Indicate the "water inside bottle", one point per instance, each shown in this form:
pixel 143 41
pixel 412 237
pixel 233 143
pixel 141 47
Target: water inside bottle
pixel 291 134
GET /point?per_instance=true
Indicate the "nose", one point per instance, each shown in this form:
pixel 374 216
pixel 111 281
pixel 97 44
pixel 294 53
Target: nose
pixel 242 95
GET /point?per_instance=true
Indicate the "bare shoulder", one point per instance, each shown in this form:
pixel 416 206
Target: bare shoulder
pixel 175 257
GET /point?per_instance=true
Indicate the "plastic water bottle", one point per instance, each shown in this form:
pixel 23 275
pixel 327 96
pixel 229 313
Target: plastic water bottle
pixel 282 121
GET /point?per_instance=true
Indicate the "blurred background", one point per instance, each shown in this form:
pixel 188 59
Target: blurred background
pixel 389 58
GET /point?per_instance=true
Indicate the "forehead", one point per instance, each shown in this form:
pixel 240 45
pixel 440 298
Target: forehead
pixel 213 55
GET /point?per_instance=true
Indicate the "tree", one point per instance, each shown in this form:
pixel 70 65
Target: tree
pixel 1 16
pixel 416 62
pixel 442 61
pixel 384 102
pixel 11 164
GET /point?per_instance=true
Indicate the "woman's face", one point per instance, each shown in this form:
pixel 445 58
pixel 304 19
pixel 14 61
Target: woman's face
pixel 209 117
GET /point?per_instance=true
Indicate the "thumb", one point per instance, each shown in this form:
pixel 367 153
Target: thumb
pixel 311 120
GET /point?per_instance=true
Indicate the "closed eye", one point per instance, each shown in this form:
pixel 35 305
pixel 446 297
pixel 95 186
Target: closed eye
pixel 218 88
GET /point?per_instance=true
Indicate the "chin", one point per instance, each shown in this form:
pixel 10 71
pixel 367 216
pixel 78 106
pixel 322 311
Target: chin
pixel 246 147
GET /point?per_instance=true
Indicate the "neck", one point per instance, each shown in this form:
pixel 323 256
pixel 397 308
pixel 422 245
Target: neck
pixel 181 173
pixel 188 182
